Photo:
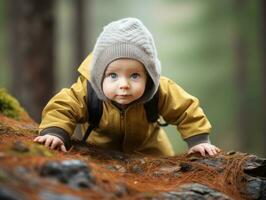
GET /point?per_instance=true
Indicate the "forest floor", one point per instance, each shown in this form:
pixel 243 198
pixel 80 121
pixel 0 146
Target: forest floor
pixel 29 171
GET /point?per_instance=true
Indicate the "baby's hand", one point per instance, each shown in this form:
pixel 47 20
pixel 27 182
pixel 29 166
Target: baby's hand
pixel 51 142
pixel 204 147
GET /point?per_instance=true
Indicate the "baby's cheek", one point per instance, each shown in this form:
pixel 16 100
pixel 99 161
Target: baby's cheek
pixel 108 89
pixel 142 88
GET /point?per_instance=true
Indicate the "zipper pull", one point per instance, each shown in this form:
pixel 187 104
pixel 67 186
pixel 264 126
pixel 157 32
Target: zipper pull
pixel 122 114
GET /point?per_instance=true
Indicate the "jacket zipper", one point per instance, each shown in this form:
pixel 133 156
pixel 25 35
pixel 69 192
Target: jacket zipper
pixel 123 126
pixel 122 121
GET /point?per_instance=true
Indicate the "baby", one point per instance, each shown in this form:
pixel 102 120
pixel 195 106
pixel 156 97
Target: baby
pixel 124 72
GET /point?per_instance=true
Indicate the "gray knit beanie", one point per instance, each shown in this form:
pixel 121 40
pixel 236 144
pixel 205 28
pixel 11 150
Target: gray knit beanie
pixel 125 38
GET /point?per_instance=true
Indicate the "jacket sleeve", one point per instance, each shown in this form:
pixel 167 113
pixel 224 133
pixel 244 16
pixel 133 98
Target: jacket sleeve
pixel 65 110
pixel 179 108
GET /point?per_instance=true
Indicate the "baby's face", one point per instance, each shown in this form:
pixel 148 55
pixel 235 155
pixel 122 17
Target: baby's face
pixel 124 81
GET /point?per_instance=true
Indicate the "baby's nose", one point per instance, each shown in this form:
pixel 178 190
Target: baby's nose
pixel 124 84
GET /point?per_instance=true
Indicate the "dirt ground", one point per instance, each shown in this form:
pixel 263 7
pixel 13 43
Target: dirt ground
pixel 30 171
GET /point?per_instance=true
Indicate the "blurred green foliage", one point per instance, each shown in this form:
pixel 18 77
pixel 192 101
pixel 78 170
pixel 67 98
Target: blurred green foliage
pixel 4 65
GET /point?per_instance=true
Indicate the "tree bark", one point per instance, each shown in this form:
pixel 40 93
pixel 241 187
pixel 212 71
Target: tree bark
pixel 31 29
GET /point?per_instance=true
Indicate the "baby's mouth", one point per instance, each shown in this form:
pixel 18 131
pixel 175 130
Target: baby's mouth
pixel 123 95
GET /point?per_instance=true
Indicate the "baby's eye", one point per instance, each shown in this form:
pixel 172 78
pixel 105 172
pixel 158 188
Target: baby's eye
pixel 112 75
pixel 135 76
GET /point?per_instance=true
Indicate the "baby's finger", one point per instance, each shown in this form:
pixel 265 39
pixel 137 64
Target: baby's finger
pixel 217 149
pixel 63 148
pixel 209 151
pixel 36 139
pixel 202 151
pixel 190 151
pixel 54 144
pixel 214 150
pixel 39 139
pixel 48 141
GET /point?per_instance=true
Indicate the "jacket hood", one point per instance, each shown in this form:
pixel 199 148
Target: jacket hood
pixel 151 88
pixel 83 68
pixel 125 38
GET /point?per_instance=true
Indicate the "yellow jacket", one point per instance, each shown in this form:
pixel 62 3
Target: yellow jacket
pixel 128 130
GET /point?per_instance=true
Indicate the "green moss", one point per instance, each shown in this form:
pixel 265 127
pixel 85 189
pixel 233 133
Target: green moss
pixel 40 150
pixel 3 175
pixel 9 106
pixel 34 149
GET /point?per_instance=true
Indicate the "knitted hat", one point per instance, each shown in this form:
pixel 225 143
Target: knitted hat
pixel 125 38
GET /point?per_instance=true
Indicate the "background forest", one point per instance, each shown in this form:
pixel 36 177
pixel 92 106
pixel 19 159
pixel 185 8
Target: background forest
pixel 214 49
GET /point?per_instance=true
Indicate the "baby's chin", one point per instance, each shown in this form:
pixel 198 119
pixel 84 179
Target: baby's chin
pixel 119 105
pixel 123 102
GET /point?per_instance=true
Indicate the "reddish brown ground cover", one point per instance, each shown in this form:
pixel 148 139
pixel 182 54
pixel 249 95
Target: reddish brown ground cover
pixel 30 171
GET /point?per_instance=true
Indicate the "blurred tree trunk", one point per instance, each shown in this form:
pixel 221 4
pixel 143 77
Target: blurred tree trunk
pixel 241 76
pixel 79 34
pixel 31 52
pixel 263 38
pixel 80 41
